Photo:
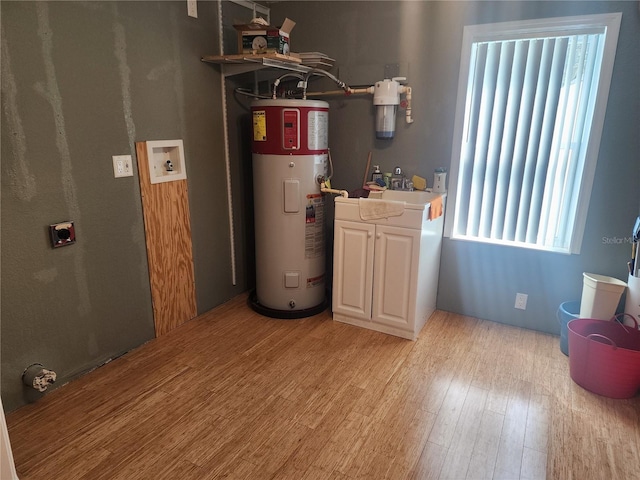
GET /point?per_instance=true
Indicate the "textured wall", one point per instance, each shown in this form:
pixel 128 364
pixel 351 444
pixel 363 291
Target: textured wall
pixel 424 38
pixel 82 81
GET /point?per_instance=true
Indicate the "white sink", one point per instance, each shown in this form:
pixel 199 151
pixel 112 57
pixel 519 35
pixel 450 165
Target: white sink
pixel 415 197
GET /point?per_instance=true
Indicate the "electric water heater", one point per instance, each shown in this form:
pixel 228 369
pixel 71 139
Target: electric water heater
pixel 290 154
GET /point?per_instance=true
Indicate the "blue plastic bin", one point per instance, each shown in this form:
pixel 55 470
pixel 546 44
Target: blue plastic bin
pixel 567 312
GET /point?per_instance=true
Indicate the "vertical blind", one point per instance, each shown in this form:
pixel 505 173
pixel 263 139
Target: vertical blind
pixel 528 113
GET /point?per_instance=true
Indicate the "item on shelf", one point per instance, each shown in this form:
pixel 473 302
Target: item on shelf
pixel 257 38
pixel 316 60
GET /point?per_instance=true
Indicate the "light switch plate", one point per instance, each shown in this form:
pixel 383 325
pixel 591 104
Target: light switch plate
pixel 122 166
pixel 192 8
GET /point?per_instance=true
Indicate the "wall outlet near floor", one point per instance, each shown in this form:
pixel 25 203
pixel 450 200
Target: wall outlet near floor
pixel 521 301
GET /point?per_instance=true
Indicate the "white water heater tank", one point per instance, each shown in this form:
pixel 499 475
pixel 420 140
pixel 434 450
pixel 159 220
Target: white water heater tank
pixel 290 155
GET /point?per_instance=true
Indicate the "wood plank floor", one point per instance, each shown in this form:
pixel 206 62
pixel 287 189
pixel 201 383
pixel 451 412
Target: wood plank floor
pixel 235 395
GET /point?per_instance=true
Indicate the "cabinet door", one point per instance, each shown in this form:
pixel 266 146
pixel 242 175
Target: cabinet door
pixel 353 268
pixel 395 276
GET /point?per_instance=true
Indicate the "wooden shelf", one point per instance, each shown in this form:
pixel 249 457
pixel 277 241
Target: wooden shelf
pixel 237 64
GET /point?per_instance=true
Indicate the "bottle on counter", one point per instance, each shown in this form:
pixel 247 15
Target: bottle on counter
pixel 387 179
pixel 377 174
pixel 439 180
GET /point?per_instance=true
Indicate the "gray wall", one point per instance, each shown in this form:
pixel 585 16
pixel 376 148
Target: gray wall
pixel 424 39
pixel 82 81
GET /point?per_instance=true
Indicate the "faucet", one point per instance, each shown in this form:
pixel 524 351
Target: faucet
pixel 399 180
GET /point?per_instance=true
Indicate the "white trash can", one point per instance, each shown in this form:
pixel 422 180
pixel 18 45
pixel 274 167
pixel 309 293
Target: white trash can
pixel 600 296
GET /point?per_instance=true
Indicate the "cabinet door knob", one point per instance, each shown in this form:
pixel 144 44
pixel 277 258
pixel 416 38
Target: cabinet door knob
pixel 377 235
pixel 369 234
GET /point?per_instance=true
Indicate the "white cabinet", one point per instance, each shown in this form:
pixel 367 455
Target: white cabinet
pixel 396 276
pixel 353 269
pixel 385 272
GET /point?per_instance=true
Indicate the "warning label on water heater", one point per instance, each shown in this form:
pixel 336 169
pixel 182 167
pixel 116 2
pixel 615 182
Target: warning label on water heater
pixel 318 130
pixel 259 126
pixel 314 226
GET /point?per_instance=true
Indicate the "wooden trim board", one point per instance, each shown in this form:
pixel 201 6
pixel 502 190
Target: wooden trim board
pixel 167 229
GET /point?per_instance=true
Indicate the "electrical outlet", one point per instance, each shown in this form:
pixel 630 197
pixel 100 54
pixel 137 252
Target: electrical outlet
pixel 521 301
pixel 192 8
pixel 122 166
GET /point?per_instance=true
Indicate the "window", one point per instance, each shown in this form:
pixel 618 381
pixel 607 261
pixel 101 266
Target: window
pixel 531 104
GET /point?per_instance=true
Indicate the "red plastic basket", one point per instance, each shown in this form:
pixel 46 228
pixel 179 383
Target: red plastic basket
pixel 605 356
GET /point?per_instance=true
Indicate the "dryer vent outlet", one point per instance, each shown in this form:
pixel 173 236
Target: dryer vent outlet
pixel 38 377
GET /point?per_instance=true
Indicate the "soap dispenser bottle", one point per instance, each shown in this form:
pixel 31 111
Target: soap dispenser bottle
pixel 377 174
pixel 439 180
